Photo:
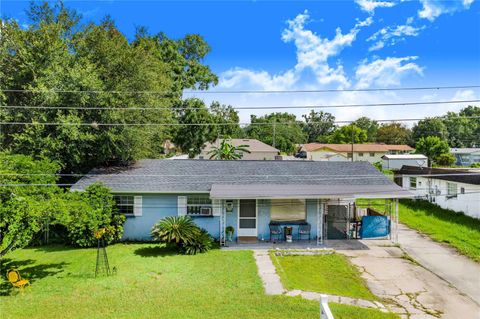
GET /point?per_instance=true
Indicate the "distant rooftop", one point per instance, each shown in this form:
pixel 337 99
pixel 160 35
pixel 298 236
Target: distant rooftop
pixel 464 150
pixel 253 145
pixel 310 147
pixel 460 175
pixel 405 156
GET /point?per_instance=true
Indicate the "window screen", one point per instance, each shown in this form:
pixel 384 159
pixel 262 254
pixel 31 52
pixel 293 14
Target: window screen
pixel 451 190
pixel 288 210
pixel 124 204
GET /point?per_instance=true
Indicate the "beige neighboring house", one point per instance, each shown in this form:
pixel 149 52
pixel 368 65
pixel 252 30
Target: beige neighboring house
pixel 258 150
pixel 361 152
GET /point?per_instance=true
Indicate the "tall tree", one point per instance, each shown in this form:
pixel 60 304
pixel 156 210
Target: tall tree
pixel 228 117
pixel 197 128
pixel 369 125
pixel 432 126
pixel 394 133
pixel 57 56
pixel 348 134
pixel 318 125
pixel 282 130
pixel 432 147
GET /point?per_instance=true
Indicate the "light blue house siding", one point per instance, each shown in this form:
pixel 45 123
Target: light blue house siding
pixel 158 206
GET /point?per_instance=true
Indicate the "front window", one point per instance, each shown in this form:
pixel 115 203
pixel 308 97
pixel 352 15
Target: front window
pixel 199 205
pixel 288 210
pixel 124 204
pixel 451 190
pixel 360 154
pixel 413 182
pixel 372 154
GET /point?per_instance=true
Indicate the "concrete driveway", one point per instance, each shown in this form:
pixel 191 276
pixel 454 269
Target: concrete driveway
pixel 414 291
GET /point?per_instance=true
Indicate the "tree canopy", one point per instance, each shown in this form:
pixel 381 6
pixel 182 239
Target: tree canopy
pixel 318 125
pixel 433 147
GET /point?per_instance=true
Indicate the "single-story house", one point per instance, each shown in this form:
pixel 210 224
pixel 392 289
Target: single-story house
pixel 455 189
pixel 466 156
pixel 395 162
pixel 258 150
pixel 251 196
pixel 361 152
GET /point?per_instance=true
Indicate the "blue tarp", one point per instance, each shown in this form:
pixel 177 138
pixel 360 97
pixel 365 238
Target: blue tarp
pixel 374 227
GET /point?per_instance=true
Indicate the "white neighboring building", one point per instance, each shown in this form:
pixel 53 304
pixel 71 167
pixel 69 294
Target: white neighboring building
pixel 466 156
pixel 455 189
pixel 258 150
pixel 395 162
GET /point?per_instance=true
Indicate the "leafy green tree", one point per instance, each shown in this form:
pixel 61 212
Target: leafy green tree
pixel 347 134
pixel 318 125
pixel 445 159
pixel 227 151
pixel 432 147
pixel 394 133
pixel 369 125
pixel 433 126
pixel 282 130
pixel 27 189
pixel 195 126
pixel 57 56
pixel 226 114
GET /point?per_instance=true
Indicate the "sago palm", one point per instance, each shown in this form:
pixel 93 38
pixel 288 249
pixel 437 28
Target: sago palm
pixel 175 229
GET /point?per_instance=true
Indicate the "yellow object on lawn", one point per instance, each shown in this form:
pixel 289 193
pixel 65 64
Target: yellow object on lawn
pixel 16 280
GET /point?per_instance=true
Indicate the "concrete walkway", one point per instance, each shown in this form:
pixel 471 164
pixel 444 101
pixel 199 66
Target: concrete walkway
pixel 443 261
pixel 266 270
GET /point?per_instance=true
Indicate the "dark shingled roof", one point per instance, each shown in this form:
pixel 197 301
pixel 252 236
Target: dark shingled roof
pixel 163 176
pixel 468 176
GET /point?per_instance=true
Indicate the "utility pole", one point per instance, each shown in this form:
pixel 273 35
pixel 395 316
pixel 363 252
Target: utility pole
pixel 353 141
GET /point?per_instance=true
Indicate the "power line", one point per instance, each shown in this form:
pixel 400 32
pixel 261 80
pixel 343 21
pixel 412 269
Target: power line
pixel 154 108
pixel 94 124
pixel 246 91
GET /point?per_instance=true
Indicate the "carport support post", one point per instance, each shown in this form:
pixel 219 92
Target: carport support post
pixel 319 221
pixel 396 220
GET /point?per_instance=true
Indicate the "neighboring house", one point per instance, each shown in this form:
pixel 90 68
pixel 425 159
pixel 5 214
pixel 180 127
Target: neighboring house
pixel 395 162
pixel 466 156
pixel 361 152
pixel 248 195
pixel 258 150
pixel 455 189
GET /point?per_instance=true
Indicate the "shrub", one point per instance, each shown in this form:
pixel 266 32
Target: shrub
pixel 200 244
pixel 445 159
pixel 82 213
pixel 182 232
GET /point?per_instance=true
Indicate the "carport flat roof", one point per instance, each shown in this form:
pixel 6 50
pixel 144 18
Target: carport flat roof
pixel 274 191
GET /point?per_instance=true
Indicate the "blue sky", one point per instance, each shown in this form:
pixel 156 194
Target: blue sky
pixel 280 45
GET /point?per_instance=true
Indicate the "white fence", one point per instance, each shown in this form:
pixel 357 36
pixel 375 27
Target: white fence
pixel 325 312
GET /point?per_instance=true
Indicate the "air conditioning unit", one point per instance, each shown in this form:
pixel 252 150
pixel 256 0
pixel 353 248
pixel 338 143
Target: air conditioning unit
pixel 206 211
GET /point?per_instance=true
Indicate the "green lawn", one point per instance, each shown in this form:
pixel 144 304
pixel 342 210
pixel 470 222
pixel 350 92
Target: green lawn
pixel 151 282
pixel 460 231
pixel 457 230
pixel 350 312
pixel 330 274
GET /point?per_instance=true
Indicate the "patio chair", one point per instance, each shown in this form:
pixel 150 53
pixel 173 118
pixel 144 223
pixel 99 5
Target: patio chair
pixel 16 280
pixel 304 230
pixel 275 230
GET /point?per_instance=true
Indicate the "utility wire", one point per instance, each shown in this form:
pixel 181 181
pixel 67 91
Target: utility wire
pixel 94 124
pixel 245 91
pixel 154 108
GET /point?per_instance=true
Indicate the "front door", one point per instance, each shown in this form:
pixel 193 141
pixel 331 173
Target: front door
pixel 337 221
pixel 247 218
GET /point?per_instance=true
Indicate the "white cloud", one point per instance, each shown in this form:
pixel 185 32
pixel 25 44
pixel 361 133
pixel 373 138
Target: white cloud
pixel 432 9
pixel 370 5
pixel 385 72
pixel 313 54
pixel 464 95
pixel 393 34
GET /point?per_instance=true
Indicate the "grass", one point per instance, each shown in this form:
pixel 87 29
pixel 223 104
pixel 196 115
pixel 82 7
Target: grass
pixel 329 274
pixel 460 231
pixel 350 312
pixel 455 229
pixel 151 282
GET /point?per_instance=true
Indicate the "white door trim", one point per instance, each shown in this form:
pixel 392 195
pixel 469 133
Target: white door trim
pixel 250 231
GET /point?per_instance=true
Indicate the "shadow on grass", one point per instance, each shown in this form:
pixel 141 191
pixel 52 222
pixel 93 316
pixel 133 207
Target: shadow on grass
pixel 28 270
pixel 156 251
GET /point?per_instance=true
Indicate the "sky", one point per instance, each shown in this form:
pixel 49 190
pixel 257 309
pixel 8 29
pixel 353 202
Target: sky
pixel 316 45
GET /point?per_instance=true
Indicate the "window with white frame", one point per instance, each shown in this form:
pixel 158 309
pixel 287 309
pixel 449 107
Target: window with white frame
pixel 413 183
pixel 199 205
pixel 451 190
pixel 372 154
pixel 124 203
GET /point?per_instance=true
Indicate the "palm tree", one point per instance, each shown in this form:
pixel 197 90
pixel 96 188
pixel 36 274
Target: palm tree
pixel 227 151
